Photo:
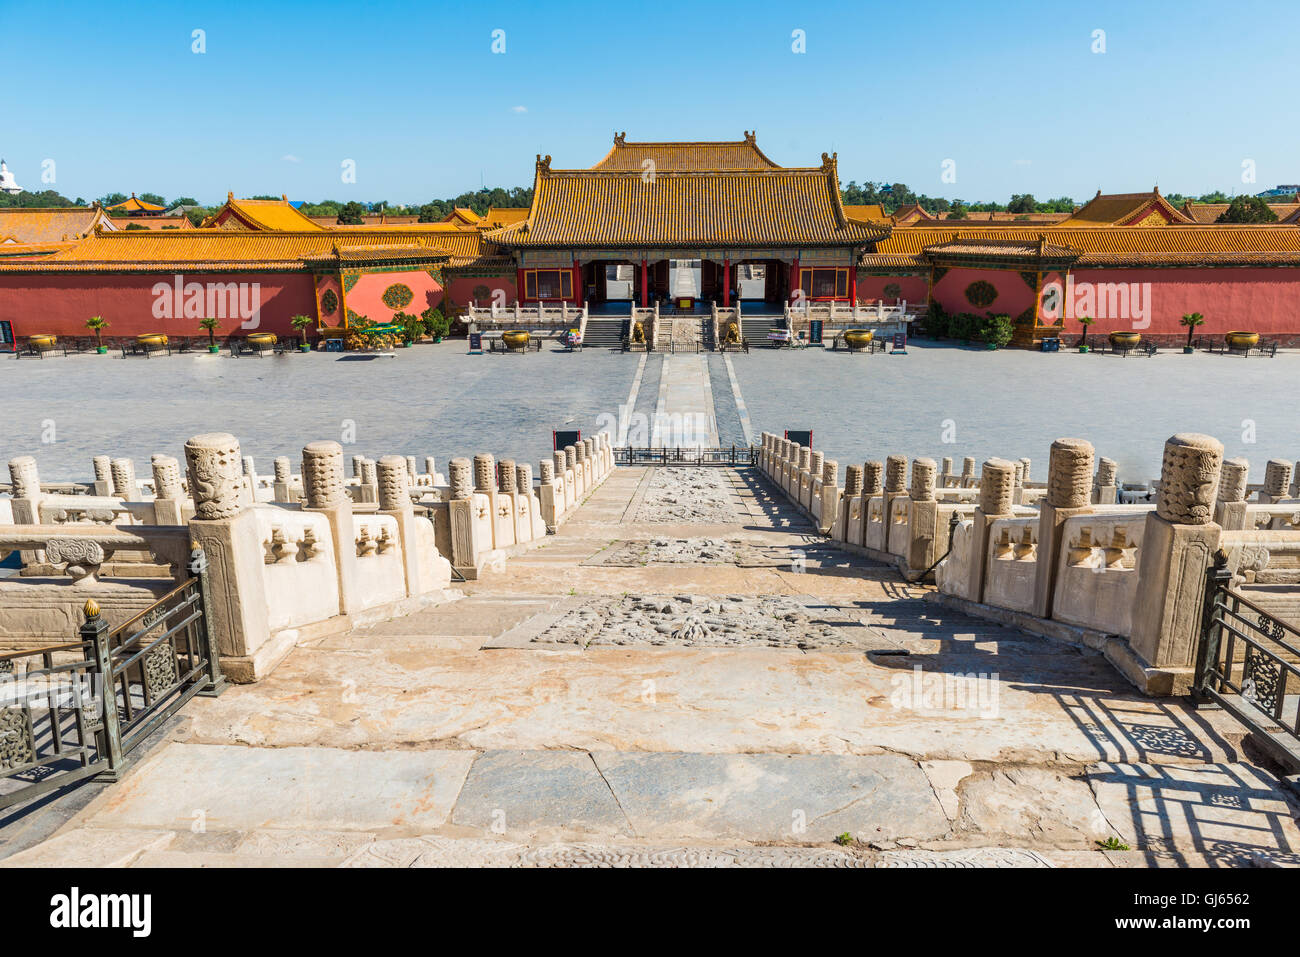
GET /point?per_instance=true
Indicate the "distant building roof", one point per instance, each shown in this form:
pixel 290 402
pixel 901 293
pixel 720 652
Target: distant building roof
pixel 51 224
pixel 1126 209
pixel 1210 212
pixel 686 156
pixel 135 206
pixel 258 215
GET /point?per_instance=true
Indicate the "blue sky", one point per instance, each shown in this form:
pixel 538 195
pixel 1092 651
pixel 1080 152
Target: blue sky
pixel 1011 92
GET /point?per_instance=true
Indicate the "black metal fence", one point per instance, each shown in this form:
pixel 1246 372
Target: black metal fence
pixel 79 709
pixel 1249 664
pixel 735 455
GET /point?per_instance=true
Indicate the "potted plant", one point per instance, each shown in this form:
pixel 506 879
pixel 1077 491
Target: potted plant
pixel 1191 321
pixel 412 328
pixel 98 324
pixel 301 323
pixel 435 323
pixel 1083 339
pixel 210 324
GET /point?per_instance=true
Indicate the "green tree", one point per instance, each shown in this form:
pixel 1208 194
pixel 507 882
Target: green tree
pixel 352 214
pixel 1191 321
pixel 153 198
pixel 1022 203
pixel 97 324
pixel 301 323
pixel 1248 209
pixel 210 324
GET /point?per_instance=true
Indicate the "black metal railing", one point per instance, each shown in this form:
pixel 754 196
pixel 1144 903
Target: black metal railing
pixel 735 455
pixel 79 709
pixel 50 718
pixel 1248 663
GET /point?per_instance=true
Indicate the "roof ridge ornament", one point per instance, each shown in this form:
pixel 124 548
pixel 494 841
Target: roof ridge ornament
pixel 544 163
pixel 750 136
pixel 620 138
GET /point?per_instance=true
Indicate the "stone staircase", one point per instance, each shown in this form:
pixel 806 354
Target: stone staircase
pixel 605 332
pixel 755 329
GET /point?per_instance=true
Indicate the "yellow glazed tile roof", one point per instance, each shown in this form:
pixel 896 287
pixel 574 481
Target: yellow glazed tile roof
pixel 52 224
pixel 870 213
pixel 259 214
pixel 1178 244
pixel 134 205
pixel 505 215
pixel 231 250
pixel 773 207
pixel 1119 209
pixel 685 156
pixel 1209 212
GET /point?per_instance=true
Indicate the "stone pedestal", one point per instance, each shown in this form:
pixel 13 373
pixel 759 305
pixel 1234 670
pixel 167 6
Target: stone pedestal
pixel 997 483
pixel 1069 493
pixel 1178 545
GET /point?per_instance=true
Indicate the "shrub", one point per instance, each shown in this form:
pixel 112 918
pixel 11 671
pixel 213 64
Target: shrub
pixel 997 330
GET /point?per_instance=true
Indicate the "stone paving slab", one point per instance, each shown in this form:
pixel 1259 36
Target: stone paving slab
pixel 1233 810
pixel 230 787
pixel 92 847
pixel 539 791
pixel 692 621
pixel 772 797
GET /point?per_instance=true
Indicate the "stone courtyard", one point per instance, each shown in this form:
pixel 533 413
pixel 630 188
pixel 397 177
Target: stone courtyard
pixel 1008 402
pixel 725 694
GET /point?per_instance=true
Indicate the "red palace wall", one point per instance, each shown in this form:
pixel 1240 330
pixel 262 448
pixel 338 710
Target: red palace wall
pixel 366 297
pixel 911 288
pixel 1255 300
pixel 1014 294
pixel 460 290
pixel 60 303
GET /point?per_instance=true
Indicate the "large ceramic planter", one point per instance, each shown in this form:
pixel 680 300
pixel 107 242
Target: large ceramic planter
pixel 1124 340
pixel 1242 340
pixel 1083 348
pixel 101 350
pixel 858 338
pixel 43 341
pixel 262 339
pixel 151 340
pixel 304 348
pixel 213 350
pixel 515 339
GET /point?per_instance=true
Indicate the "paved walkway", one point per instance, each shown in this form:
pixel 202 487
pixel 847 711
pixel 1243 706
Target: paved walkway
pixel 684 416
pixel 688 679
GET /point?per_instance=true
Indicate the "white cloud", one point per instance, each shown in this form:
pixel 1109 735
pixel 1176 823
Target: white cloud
pixel 518 109
pixel 290 158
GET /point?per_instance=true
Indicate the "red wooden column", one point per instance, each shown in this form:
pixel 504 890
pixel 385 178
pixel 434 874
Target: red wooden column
pixel 644 284
pixel 794 277
pixel 577 282
pixel 853 285
pixel 519 285
pixel 726 282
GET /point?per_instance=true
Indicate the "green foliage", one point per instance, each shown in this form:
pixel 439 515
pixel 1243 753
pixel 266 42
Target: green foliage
pixel 97 324
pixel 997 330
pixel 352 214
pixel 1113 844
pixel 45 199
pixel 1248 209
pixel 135 226
pixel 210 324
pixel 152 198
pixel 412 326
pixel 435 323
pixel 1191 321
pixel 844 840
pixel 301 323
